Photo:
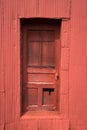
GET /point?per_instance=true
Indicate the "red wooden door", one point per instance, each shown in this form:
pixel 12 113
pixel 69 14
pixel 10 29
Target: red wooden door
pixel 40 67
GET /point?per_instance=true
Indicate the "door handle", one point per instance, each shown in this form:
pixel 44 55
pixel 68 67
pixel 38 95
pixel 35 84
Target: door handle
pixel 56 76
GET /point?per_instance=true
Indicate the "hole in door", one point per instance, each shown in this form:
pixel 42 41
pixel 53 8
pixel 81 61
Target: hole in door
pixel 48 96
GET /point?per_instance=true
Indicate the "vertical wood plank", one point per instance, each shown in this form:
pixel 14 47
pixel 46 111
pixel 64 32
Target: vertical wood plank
pixel 27 8
pixel 2 108
pixel 54 8
pixel 29 124
pixel 7 57
pixel 64 82
pixel 11 61
pixel 12 126
pixel 53 124
pixel 65 125
pixel 48 124
pixel 2 89
pixel 15 29
pixel 64 105
pixel 65 33
pixel 1 48
pixel 1 127
pixel 65 59
pixel 78 62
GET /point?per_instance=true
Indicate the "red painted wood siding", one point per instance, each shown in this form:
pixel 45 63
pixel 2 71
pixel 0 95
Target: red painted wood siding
pixel 73 62
pixel 78 66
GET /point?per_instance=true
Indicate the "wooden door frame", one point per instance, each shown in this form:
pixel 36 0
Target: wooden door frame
pixel 64 68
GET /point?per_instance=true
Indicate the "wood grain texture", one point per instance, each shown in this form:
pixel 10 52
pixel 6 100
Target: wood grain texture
pixel 53 124
pixel 2 108
pixel 10 12
pixel 78 66
pixel 64 82
pixel 65 33
pixel 73 61
pixel 11 63
pixel 29 124
pixel 65 59
pixel 1 127
pixel 54 9
pixel 78 62
pixel 2 87
pixel 12 126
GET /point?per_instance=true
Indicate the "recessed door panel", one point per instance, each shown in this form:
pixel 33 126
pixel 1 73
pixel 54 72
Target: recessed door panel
pixel 34 54
pixel 48 54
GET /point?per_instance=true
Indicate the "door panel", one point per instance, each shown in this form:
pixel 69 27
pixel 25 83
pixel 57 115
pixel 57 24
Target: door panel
pixel 41 77
pixel 48 54
pixel 34 54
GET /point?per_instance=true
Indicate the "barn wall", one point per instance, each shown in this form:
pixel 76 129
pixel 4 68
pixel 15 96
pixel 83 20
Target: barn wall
pixel 2 89
pixel 10 13
pixel 78 66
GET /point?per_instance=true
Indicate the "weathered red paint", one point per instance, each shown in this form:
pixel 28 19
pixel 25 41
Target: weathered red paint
pixel 73 75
